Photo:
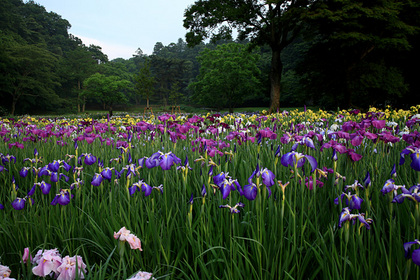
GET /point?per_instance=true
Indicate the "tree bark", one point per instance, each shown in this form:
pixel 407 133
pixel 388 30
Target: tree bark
pixel 78 96
pixel 275 80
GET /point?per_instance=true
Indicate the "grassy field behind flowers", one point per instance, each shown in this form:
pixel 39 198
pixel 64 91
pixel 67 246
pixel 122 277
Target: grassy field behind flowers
pixel 215 196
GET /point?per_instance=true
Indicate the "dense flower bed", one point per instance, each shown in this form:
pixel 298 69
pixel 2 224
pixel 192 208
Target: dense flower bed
pixel 293 184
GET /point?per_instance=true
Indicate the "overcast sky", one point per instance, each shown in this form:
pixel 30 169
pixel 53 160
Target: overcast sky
pixel 122 26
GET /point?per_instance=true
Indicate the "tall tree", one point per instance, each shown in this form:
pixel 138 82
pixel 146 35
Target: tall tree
pixel 145 82
pixel 30 73
pixel 272 22
pixel 228 76
pixel 357 38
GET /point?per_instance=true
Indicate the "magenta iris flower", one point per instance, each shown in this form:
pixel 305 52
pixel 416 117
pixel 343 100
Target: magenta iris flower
pixel 415 255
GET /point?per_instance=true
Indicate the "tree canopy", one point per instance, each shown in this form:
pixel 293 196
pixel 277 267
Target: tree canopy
pixel 228 74
pixel 325 53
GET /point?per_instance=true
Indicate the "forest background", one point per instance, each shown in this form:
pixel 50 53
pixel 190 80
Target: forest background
pixel 340 54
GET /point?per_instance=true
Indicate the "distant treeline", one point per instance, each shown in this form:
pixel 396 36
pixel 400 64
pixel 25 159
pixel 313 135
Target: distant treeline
pixel 43 68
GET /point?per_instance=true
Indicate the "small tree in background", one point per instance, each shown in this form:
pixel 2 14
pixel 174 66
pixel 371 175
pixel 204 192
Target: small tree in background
pixel 107 90
pixel 228 76
pixel 145 82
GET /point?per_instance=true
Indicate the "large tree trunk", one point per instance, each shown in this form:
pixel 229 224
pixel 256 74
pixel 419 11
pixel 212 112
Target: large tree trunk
pixel 78 96
pixel 13 106
pixel 275 79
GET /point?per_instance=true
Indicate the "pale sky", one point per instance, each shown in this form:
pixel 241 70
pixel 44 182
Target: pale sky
pixel 120 27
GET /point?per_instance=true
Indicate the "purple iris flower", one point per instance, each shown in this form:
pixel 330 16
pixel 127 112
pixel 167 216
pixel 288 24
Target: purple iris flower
pixel 2 168
pixel 76 184
pixel 414 155
pixel 415 255
pixel 352 200
pixel 388 186
pixel 152 161
pixel 366 180
pixel 146 189
pixel 7 158
pixel 412 194
pixel 1 206
pixel 67 166
pixel 191 199
pixel 63 198
pixel 298 159
pixel 234 209
pixel 24 172
pixel 45 187
pixel 346 216
pixel 227 186
pixel 89 159
pixel 167 160
pixel 203 191
pixel 19 203
pixel 218 179
pixel 267 177
pixel 305 141
pixel 32 190
pixel 54 166
pixel 96 180
pixel 107 173
pixel 55 177
pixel 394 171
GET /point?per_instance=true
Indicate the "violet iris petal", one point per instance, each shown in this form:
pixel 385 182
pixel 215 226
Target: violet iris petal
pixel 90 159
pixel 250 191
pixel 18 203
pixel 267 177
pixel 45 187
pixel 218 179
pixel 97 179
pixel 366 181
pixel 415 160
pixel 146 189
pixel 54 166
pixel 355 202
pixel 388 186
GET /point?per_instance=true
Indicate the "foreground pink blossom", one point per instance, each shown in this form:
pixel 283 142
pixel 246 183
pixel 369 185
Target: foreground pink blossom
pixel 47 262
pixel 68 268
pixel 124 235
pixel 5 273
pixel 142 275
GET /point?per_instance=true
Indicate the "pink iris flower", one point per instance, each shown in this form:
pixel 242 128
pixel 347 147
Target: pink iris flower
pixel 4 271
pixel 142 275
pixel 68 268
pixel 47 262
pixel 125 235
